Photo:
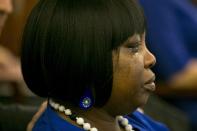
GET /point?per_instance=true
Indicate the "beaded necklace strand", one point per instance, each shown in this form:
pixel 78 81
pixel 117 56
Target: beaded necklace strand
pixel 80 121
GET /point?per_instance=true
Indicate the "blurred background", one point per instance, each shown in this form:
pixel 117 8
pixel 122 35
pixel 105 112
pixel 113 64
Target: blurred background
pixel 17 103
pixel 13 14
pixel 171 36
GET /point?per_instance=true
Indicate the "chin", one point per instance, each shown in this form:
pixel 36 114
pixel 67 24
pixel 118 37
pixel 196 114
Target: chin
pixel 145 100
pixel 142 101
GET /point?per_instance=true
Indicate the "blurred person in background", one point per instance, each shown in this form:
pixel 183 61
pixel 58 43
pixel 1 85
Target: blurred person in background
pixel 9 64
pixel 5 9
pixel 172 37
pixel 13 115
pixel 10 71
pixel 194 2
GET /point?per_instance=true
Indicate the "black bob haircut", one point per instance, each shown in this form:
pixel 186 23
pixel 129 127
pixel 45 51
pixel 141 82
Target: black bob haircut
pixel 67 46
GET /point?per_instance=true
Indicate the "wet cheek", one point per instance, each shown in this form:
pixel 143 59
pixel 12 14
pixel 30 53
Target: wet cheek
pixel 130 71
pixel 137 77
pixel 137 68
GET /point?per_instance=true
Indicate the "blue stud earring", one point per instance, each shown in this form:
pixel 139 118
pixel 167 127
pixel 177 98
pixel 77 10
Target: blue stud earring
pixel 86 100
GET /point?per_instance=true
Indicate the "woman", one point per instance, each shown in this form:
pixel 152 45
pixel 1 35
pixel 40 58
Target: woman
pixel 89 58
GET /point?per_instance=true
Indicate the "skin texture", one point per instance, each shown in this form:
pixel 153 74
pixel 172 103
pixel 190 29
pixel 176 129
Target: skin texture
pixel 132 63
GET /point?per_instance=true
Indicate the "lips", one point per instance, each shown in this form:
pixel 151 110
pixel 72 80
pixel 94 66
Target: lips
pixel 150 86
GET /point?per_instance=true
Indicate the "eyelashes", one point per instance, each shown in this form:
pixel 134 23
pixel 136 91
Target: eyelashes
pixel 134 47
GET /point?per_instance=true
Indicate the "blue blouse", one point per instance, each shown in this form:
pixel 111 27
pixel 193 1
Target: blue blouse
pixel 51 121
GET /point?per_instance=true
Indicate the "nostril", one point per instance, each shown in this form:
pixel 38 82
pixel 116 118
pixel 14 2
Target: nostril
pixel 152 64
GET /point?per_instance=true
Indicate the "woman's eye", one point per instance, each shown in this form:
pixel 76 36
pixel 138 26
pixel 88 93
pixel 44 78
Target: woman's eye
pixel 134 48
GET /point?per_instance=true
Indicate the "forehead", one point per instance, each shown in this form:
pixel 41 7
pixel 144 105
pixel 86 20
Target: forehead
pixel 6 6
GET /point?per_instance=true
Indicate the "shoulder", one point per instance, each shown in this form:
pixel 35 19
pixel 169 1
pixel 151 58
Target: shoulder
pixel 51 121
pixel 143 122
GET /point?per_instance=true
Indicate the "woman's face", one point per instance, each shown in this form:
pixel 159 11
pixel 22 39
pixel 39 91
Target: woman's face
pixel 133 79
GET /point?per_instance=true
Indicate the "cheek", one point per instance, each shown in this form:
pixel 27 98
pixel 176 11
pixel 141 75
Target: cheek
pixel 134 82
pixel 128 82
pixel 138 95
pixel 129 74
pixel 135 71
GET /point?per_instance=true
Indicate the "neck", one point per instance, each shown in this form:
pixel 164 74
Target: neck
pixel 94 114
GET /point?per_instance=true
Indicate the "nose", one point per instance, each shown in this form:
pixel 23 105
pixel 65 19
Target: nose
pixel 149 59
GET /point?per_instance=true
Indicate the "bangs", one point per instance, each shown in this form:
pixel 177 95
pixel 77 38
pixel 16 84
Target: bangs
pixel 92 22
pixel 127 19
